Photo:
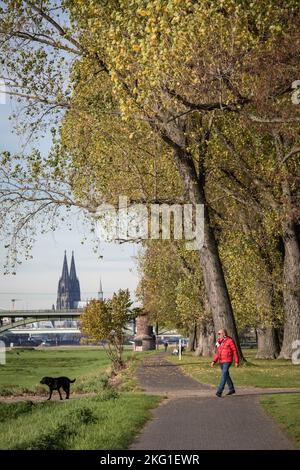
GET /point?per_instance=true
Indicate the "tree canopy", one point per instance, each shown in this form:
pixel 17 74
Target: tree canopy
pixel 169 101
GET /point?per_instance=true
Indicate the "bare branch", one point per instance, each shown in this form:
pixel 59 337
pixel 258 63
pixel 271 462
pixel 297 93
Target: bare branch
pixel 55 24
pixel 294 151
pixel 62 104
pixel 42 39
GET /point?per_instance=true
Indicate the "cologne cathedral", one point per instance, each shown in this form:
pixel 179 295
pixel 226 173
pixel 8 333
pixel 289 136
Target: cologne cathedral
pixel 68 293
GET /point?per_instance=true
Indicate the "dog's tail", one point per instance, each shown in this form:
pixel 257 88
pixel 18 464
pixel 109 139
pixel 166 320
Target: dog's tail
pixel 72 381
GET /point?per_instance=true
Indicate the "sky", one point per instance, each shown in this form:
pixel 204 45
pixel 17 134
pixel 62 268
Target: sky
pixel 35 284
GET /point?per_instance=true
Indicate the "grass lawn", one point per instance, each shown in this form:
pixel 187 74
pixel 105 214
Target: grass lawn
pixel 255 372
pixel 25 368
pixel 107 421
pixel 285 409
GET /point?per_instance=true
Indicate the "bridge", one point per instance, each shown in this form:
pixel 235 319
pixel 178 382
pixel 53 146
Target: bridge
pixel 24 317
pixel 45 331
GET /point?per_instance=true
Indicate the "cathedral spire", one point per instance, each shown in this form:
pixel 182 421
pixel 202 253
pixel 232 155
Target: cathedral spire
pixel 65 270
pixel 73 275
pixel 100 292
pixel 63 296
pixel 74 284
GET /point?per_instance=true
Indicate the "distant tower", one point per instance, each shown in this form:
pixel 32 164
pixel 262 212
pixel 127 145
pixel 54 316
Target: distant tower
pixel 100 292
pixel 74 284
pixel 68 292
pixel 63 292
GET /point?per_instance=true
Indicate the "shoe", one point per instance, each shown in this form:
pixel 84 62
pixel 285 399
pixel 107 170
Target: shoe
pixel 218 394
pixel 231 392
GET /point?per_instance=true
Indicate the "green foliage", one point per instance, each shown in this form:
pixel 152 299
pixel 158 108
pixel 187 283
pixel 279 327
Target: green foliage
pixel 171 285
pixel 142 82
pixel 253 273
pixel 105 320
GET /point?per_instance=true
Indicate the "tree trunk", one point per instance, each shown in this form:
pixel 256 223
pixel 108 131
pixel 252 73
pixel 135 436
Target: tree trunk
pixel 280 331
pixel 192 344
pixel 213 274
pixel 267 343
pixel 266 334
pixel 156 336
pixel 206 339
pixel 291 290
pixel 215 284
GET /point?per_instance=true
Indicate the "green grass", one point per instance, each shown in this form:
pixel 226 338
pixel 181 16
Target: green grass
pixel 255 372
pixel 285 409
pixel 108 421
pixel 25 368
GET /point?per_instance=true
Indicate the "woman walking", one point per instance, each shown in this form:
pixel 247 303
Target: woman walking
pixel 225 355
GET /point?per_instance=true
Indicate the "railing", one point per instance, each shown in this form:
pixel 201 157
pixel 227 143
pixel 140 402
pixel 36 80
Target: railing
pixel 44 331
pixel 40 313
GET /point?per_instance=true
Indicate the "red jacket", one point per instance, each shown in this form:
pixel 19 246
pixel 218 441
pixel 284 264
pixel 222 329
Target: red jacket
pixel 226 352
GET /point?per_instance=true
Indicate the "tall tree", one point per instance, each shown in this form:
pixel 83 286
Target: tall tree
pixel 170 66
pixel 260 171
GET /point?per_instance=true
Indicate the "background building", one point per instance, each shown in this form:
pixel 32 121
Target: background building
pixel 68 292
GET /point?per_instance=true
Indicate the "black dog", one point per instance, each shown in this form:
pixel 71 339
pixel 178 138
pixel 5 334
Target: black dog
pixel 57 384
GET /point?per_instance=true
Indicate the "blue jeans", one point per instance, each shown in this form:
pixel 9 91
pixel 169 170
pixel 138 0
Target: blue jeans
pixel 225 378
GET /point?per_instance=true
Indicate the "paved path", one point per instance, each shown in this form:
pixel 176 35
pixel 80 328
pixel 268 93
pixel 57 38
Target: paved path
pixel 193 418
